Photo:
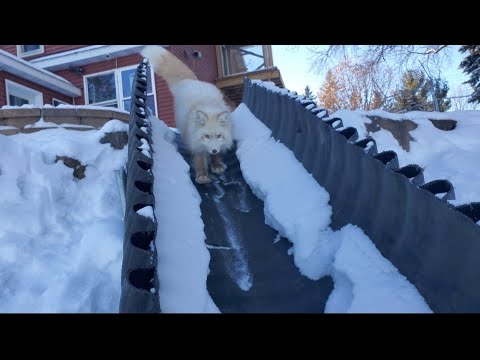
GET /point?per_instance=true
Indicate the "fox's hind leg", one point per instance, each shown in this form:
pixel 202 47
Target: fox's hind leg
pixel 200 166
pixel 217 166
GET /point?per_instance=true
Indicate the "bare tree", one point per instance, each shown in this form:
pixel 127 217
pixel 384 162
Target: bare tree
pixel 356 86
pixel 399 57
pixel 460 96
pixel 328 94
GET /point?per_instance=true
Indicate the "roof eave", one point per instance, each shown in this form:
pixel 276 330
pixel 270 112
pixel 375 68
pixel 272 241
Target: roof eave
pixel 23 69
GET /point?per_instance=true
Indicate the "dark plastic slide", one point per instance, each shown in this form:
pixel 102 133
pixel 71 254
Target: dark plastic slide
pixel 248 271
pixel 431 242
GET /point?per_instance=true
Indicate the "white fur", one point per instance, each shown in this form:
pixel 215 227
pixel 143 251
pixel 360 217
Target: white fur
pixel 201 114
pixel 207 133
pixel 167 65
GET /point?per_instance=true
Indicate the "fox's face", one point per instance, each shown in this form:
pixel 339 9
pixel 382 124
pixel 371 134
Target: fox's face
pixel 214 131
pixel 213 142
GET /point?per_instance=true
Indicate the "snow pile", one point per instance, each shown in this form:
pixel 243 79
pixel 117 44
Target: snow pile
pixel 60 237
pixel 63 106
pixel 270 86
pixel 367 282
pixel 302 213
pixel 41 123
pixel 183 259
pixel 450 155
pixel 297 207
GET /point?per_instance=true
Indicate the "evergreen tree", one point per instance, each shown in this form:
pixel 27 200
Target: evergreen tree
pixel 415 93
pixel 441 90
pixel 471 66
pixel 309 94
pixel 412 94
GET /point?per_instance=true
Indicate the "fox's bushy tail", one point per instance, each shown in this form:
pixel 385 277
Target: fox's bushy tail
pixel 167 65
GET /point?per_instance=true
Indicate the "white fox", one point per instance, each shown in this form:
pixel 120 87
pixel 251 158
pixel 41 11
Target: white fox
pixel 201 114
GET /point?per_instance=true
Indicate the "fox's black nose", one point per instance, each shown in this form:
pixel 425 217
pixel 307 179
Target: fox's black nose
pixel 214 151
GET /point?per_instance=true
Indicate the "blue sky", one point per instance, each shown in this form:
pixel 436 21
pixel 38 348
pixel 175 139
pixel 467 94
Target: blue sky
pixel 294 67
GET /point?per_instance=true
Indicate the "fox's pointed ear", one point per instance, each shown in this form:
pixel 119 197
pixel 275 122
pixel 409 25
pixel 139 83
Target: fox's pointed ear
pixel 224 118
pixel 201 118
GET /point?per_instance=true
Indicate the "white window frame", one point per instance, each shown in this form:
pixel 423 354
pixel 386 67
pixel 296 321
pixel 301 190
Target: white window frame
pixel 13 88
pixel 119 87
pixel 22 54
pixel 103 103
pixel 59 101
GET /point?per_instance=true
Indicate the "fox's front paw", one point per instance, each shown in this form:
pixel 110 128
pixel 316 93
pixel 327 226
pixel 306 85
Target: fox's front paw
pixel 218 168
pixel 202 179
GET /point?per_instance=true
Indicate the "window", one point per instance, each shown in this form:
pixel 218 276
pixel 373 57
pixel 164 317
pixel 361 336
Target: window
pixel 29 50
pixel 18 95
pixel 102 90
pixel 238 59
pixel 114 89
pixel 56 102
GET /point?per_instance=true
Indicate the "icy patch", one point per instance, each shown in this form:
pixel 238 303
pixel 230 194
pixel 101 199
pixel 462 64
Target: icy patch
pixel 239 270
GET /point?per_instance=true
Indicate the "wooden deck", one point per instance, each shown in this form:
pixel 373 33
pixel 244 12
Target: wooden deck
pixel 232 86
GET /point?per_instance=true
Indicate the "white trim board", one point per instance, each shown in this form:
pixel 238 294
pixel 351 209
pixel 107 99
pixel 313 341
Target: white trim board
pixel 85 55
pixel 23 54
pixel 27 71
pixel 22 91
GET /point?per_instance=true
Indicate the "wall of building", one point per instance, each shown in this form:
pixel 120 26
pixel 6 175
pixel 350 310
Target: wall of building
pixel 205 68
pixel 49 50
pixel 48 94
pixel 112 64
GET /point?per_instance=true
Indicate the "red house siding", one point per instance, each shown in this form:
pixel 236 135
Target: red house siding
pixel 54 49
pixel 12 49
pixel 205 68
pixel 48 50
pixel 48 94
pixel 77 79
pixel 164 97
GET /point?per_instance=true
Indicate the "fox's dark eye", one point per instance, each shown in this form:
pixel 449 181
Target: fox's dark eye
pixel 207 136
pixel 219 136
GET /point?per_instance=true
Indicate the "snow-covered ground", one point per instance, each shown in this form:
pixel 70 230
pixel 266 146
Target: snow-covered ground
pixel 41 123
pixel 60 237
pixel 63 106
pixel 451 155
